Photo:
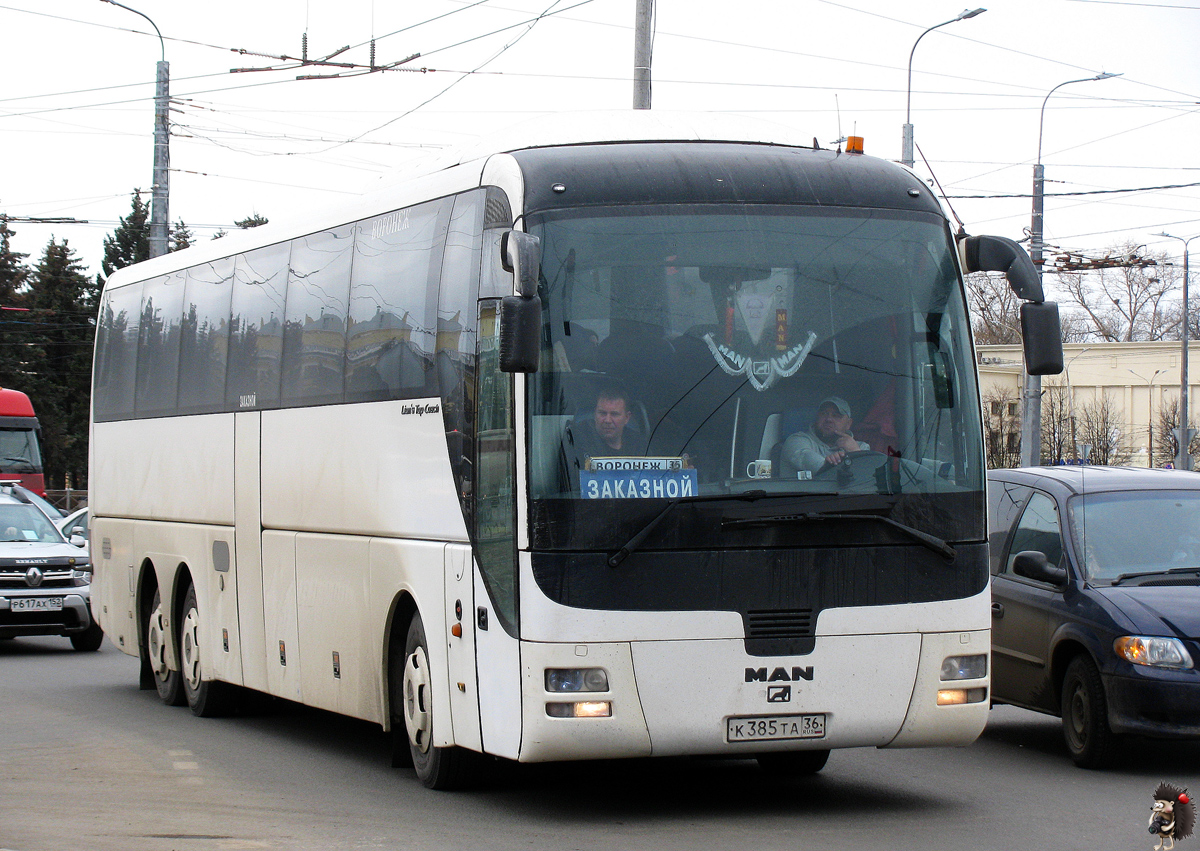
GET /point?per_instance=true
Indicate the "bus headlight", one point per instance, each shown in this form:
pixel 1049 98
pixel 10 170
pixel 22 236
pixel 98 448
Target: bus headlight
pixel 964 668
pixel 576 679
pixel 1155 652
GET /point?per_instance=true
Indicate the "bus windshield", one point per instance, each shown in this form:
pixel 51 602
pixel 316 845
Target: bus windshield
pixel 19 452
pixel 804 353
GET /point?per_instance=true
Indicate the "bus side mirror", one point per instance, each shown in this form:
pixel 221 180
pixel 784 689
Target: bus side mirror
pixel 1041 337
pixel 521 314
pixel 1041 332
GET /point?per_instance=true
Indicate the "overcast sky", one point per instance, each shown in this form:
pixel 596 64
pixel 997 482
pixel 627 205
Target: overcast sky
pixel 76 108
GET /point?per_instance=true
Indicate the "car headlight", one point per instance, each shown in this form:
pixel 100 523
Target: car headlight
pixel 81 577
pixel 1152 651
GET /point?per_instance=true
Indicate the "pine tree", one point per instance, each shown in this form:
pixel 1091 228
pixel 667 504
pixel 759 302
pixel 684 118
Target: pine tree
pixel 181 236
pixel 62 300
pixel 130 242
pixel 252 221
pixel 13 320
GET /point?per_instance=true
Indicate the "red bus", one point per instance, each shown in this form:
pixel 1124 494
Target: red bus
pixel 20 450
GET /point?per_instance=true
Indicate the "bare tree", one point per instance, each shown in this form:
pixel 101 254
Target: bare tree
pixel 995 309
pixel 1167 446
pixel 1057 426
pixel 1002 427
pixel 1100 424
pixel 1127 302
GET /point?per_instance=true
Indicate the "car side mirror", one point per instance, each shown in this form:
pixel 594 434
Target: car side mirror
pixel 1034 565
pixel 78 540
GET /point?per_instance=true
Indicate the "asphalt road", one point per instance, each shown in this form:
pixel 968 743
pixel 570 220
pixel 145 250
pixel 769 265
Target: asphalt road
pixel 90 762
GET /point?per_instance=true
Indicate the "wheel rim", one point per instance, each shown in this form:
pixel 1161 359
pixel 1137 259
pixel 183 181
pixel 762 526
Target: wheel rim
pixel 189 649
pixel 416 699
pixel 156 646
pixel 1077 717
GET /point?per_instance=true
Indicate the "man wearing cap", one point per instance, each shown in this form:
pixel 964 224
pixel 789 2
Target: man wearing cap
pixel 826 442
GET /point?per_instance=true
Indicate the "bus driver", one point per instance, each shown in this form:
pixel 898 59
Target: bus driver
pixel 825 443
pixel 605 435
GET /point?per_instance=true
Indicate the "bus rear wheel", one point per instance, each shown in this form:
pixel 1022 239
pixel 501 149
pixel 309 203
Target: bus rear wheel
pixel 411 685
pixel 207 698
pixel 793 763
pixel 168 683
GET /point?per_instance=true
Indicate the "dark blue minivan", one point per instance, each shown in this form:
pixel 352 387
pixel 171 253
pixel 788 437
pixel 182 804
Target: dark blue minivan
pixel 1096 601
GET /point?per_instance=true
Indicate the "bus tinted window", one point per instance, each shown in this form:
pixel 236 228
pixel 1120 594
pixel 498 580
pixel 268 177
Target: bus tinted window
pixel 256 328
pixel 116 360
pixel 397 259
pixel 204 340
pixel 158 348
pixel 314 333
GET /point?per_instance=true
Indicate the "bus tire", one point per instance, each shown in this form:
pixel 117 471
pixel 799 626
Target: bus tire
pixel 206 698
pixel 168 683
pixel 793 763
pixel 1089 739
pixel 88 640
pixel 413 712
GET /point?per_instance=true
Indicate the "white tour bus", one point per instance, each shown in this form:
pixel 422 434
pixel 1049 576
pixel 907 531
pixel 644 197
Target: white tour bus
pixel 351 461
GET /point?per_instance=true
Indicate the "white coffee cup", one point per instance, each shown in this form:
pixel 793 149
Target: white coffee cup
pixel 760 469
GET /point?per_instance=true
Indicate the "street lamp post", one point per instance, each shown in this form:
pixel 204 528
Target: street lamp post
pixel 161 189
pixel 1031 410
pixel 906 154
pixel 1183 458
pixel 1150 414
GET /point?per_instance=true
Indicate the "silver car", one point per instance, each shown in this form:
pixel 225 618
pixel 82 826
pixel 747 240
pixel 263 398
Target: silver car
pixel 45 580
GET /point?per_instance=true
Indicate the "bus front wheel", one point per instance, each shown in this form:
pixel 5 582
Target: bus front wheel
pixel 413 711
pixel 167 682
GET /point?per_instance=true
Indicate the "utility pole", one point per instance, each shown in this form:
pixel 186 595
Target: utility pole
pixel 161 189
pixel 642 54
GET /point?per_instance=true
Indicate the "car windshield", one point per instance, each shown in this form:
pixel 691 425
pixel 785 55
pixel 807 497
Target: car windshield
pixel 693 350
pixel 1167 525
pixel 20 522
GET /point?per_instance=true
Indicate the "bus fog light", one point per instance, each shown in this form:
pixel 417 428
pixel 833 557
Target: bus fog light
pixel 964 668
pixel 576 679
pixel 959 696
pixel 587 709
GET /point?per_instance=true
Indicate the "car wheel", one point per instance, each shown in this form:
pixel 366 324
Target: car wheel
pixel 167 682
pixel 1085 715
pixel 411 685
pixel 207 698
pixel 793 763
pixel 88 640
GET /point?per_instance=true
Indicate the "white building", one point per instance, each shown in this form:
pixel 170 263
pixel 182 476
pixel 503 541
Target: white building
pixel 1140 380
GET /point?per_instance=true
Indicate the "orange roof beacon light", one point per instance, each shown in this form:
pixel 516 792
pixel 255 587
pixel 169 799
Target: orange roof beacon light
pixel 854 144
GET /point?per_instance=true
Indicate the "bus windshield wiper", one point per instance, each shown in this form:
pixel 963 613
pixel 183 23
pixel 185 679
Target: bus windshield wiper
pixel 1164 572
pixel 932 542
pixel 636 541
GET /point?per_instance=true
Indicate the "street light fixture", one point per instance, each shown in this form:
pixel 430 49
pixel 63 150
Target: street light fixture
pixel 906 155
pixel 161 189
pixel 1031 411
pixel 1183 458
pixel 1150 414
